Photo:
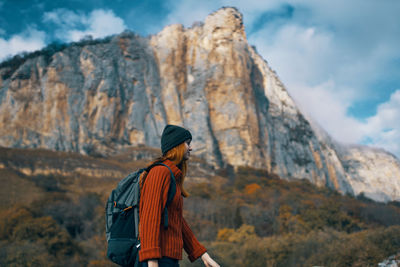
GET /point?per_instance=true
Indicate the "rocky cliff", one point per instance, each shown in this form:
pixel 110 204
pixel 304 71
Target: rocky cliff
pixel 102 97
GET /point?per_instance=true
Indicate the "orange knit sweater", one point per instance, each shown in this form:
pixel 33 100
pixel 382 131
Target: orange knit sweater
pixel 157 242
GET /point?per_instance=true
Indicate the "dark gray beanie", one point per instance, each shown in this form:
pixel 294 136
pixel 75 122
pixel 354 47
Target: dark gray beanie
pixel 173 136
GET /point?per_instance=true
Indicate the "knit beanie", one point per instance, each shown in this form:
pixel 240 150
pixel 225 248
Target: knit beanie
pixel 173 136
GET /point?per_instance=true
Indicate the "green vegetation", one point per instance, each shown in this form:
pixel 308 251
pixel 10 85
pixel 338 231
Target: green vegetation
pixel 12 64
pixel 246 218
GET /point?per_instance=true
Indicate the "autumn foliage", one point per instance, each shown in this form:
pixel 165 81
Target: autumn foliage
pixel 245 218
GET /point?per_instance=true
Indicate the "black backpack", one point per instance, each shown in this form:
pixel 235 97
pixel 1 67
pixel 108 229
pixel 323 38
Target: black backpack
pixel 122 218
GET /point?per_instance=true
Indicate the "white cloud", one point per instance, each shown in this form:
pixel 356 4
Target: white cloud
pixel 327 69
pixel 305 59
pixel 64 18
pixel 383 129
pixel 329 109
pixel 298 54
pixel 28 41
pixel 74 26
pixel 327 55
pixel 189 11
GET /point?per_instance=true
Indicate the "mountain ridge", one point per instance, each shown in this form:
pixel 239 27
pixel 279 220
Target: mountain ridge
pixel 104 97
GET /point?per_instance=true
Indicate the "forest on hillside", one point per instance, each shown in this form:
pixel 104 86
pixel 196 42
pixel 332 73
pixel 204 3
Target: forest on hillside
pixel 245 218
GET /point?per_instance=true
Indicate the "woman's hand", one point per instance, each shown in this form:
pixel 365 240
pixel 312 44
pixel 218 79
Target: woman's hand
pixel 208 262
pixel 152 263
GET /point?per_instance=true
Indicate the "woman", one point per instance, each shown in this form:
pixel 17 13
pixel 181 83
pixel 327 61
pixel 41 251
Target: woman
pixel 163 246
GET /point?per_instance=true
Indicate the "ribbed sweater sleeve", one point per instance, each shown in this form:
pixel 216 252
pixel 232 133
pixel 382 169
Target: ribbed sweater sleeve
pixel 190 243
pixel 154 196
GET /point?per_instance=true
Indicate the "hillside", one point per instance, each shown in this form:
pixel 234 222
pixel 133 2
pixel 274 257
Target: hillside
pixel 52 214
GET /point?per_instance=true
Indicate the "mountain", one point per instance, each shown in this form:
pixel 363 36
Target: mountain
pixel 103 97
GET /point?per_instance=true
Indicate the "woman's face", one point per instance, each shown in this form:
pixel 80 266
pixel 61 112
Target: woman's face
pixel 188 148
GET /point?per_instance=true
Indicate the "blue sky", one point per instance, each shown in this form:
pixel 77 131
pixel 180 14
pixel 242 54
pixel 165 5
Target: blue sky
pixel 340 60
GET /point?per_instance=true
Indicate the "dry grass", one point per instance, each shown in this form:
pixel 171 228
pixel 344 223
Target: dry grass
pixel 15 189
pixel 28 173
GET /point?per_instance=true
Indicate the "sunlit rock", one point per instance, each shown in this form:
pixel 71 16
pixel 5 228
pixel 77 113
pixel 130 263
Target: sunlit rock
pixel 101 97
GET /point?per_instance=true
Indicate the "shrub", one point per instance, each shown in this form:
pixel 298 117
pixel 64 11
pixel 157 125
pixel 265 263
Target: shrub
pixel 45 230
pixel 10 219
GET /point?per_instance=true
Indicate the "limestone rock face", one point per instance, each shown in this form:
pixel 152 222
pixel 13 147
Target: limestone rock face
pixel 373 172
pixel 103 97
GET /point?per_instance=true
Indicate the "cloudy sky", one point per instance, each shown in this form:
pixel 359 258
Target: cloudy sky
pixel 340 60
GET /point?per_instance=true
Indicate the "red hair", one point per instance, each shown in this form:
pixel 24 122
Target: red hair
pixel 175 155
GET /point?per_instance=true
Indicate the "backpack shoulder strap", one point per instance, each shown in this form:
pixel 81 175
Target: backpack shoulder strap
pixel 171 192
